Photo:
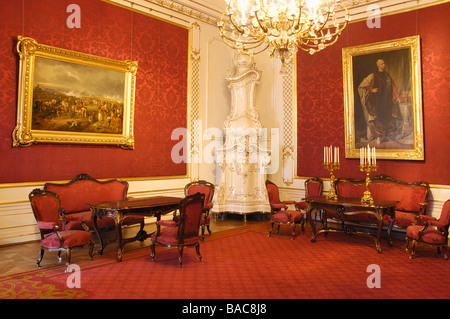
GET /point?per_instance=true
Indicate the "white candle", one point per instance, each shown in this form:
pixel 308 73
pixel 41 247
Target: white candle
pixel 365 155
pixel 374 156
pixel 360 156
pixel 324 159
pixel 331 153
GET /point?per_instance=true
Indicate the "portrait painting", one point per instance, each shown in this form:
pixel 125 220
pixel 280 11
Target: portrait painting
pixel 382 99
pixel 71 97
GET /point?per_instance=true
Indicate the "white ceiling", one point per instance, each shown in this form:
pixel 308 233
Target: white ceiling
pixel 209 11
pixel 357 8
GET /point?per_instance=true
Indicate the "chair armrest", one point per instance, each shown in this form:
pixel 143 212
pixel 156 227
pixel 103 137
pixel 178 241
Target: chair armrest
pixel 289 202
pixel 46 225
pixel 278 206
pixel 424 218
pixel 423 208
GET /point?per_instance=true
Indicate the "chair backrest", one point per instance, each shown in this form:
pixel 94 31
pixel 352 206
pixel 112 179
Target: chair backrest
pixel 202 187
pixel 84 189
pixel 272 191
pixel 191 209
pixel 46 208
pixel 445 215
pixel 313 187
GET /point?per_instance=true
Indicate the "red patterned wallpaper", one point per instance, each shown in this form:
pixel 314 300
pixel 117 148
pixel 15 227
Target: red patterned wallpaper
pixel 161 50
pixel 321 108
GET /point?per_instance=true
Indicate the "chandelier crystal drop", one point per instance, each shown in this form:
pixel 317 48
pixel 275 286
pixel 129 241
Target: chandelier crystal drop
pixel 282 26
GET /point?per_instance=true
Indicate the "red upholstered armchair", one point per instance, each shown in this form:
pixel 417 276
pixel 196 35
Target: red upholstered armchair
pixel 430 231
pixel 54 235
pixel 186 232
pixel 202 187
pixel 313 187
pixel 280 214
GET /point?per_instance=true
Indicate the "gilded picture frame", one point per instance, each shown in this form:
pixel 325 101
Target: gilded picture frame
pixel 71 97
pixel 383 99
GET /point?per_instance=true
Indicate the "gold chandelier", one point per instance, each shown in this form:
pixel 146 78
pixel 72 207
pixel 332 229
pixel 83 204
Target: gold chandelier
pixel 282 26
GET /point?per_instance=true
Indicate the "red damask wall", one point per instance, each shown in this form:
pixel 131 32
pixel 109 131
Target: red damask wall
pixel 321 108
pixel 161 50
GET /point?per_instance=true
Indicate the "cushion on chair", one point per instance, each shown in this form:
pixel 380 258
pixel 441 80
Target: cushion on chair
pixel 401 219
pixel 132 219
pixel 431 236
pixel 169 236
pixel 101 222
pixel 86 216
pixel 282 217
pixel 169 223
pixel 72 238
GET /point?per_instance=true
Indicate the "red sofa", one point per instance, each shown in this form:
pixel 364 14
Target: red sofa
pixel 83 190
pixel 412 197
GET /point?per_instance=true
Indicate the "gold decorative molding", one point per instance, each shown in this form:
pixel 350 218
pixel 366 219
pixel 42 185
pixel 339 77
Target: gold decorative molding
pixel 289 119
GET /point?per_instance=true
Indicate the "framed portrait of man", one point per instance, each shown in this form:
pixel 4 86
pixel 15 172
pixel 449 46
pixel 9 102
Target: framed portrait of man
pixel 383 99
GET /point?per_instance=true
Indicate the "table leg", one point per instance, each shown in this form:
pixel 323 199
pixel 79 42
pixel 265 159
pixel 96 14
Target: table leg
pixel 311 223
pixel 94 217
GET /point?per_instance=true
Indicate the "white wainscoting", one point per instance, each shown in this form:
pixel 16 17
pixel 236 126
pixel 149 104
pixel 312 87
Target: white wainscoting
pixel 17 222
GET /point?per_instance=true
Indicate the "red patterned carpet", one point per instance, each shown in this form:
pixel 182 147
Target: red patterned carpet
pixel 244 263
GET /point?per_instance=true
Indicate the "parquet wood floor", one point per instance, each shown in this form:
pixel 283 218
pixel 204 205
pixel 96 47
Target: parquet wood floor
pixel 22 257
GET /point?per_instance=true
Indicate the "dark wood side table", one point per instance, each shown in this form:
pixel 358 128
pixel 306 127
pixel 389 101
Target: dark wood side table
pixel 144 206
pixel 348 207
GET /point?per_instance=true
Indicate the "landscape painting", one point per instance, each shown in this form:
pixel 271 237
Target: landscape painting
pixel 77 98
pixel 71 97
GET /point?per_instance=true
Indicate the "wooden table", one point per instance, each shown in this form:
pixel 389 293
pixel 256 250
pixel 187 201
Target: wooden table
pixel 144 206
pixel 349 207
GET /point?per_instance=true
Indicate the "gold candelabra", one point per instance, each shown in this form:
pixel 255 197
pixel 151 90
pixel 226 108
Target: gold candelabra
pixel 331 167
pixel 331 164
pixel 367 164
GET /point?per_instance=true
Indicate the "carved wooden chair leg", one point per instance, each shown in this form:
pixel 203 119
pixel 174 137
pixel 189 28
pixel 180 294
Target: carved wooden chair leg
pixel 413 251
pixel 152 247
pixel 91 249
pixel 197 249
pixel 180 255
pixel 58 255
pixel 444 249
pixel 203 232
pixel 41 255
pixel 294 225
pixel 270 230
pixel 68 254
